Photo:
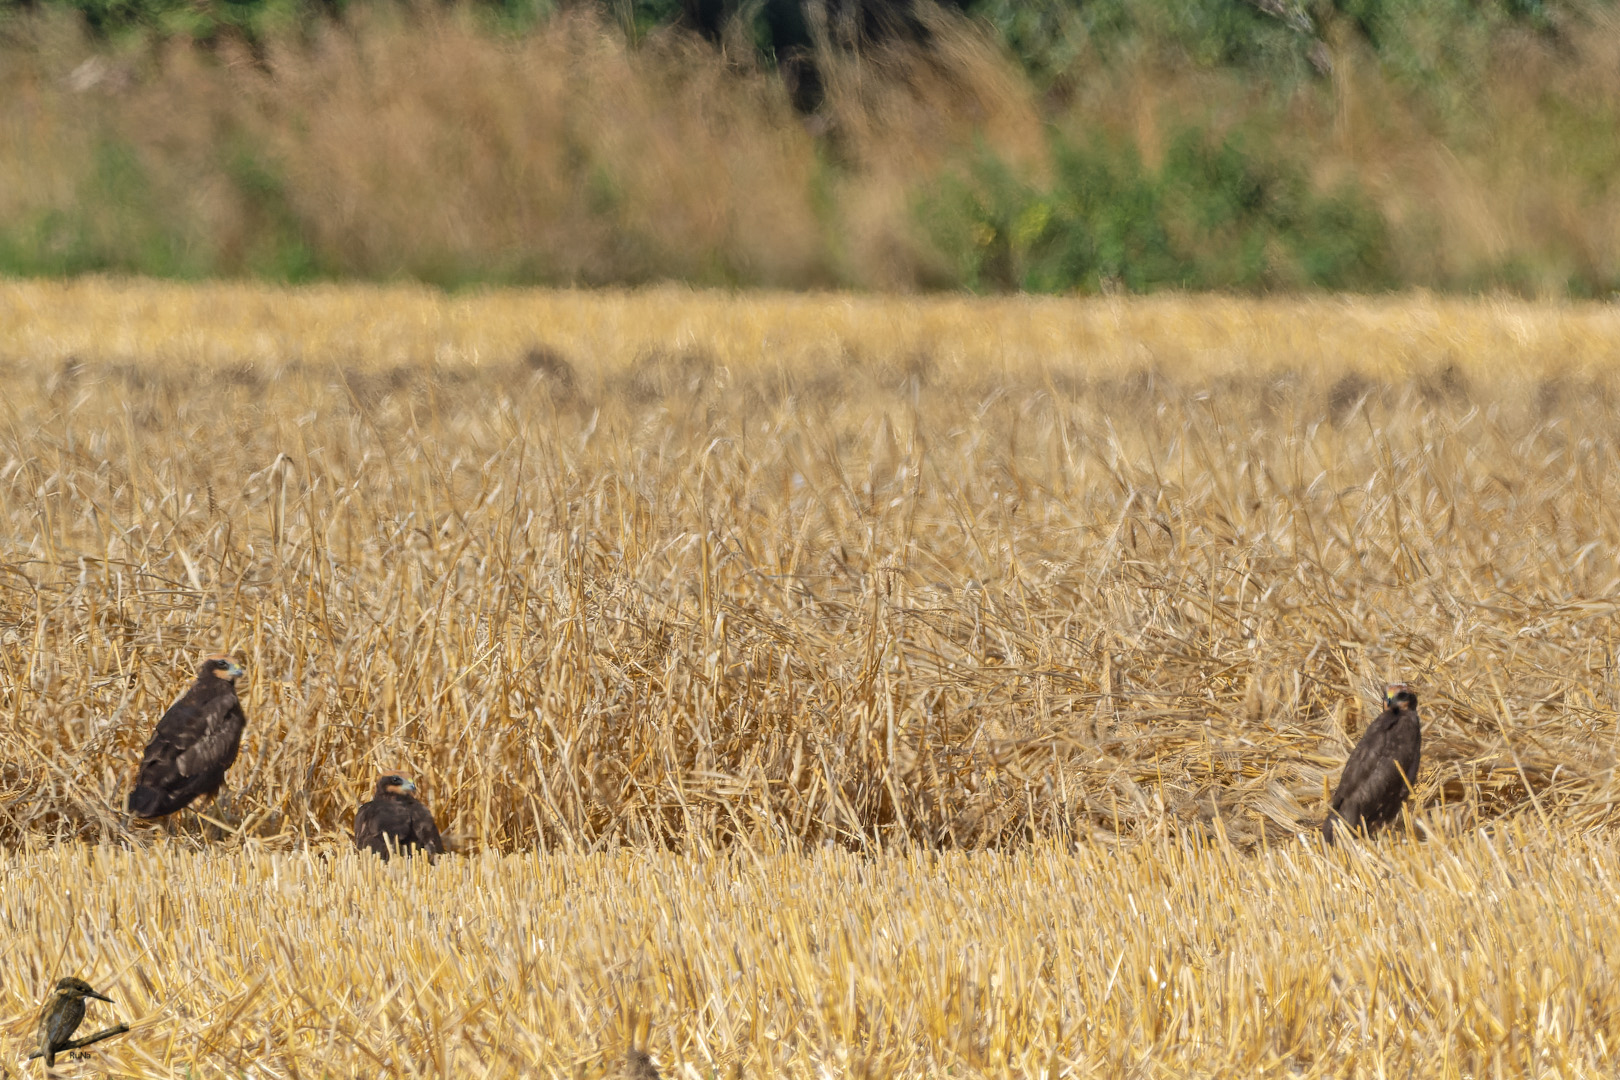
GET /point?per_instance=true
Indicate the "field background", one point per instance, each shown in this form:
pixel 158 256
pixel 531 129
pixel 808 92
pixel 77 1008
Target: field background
pixel 1037 145
pixel 1002 650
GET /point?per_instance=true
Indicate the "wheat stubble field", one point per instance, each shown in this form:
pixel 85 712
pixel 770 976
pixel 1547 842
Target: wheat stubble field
pixel 813 685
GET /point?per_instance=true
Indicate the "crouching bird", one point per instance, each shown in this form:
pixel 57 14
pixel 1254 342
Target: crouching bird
pixel 193 744
pixel 1382 769
pixel 394 819
pixel 61 1018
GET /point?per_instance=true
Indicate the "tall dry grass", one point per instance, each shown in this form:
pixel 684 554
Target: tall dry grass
pixel 1518 184
pixel 676 568
pixel 669 598
pixel 429 150
pixel 423 146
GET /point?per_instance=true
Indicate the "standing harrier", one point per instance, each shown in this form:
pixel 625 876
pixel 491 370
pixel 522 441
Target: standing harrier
pixel 1382 769
pixel 194 743
pixel 393 819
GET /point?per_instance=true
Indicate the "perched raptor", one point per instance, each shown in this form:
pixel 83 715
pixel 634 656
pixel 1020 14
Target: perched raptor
pixel 394 819
pixel 1382 769
pixel 195 742
pixel 61 1017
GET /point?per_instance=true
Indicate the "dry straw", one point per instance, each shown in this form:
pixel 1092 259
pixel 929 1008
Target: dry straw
pixel 1482 956
pixel 734 577
pixel 674 568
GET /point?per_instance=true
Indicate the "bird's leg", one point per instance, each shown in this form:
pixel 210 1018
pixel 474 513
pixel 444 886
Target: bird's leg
pixel 220 823
pixel 179 817
pixel 207 828
pixel 222 808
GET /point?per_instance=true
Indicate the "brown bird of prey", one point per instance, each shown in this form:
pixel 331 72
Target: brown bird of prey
pixel 1382 769
pixel 194 743
pixel 62 1015
pixel 394 819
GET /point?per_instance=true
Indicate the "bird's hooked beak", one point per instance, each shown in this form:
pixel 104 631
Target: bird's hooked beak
pixel 406 786
pixel 1392 691
pixel 232 670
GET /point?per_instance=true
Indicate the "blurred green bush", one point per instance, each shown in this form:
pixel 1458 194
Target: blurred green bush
pixel 1213 215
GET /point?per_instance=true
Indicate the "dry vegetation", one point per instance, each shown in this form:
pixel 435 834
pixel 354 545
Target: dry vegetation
pixel 429 148
pixel 440 152
pixel 789 596
pixel 1161 960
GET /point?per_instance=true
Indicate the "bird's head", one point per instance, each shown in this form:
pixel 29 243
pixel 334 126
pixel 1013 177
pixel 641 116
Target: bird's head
pixel 1399 696
pixel 78 988
pixel 222 667
pixel 395 784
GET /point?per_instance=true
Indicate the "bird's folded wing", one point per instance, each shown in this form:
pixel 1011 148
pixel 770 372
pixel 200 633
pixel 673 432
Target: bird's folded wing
pixel 427 830
pixel 220 730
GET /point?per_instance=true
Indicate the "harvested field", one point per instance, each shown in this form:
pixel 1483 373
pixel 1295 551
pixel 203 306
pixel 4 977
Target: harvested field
pixel 669 600
pixel 1483 957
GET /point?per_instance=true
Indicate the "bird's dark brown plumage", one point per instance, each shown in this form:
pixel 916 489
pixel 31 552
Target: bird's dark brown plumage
pixel 1382 769
pixel 393 818
pixel 62 1015
pixel 193 745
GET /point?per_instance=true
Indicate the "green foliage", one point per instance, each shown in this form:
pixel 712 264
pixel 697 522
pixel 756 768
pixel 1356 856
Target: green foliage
pixel 201 20
pixel 1213 215
pixel 123 223
pixel 1429 41
pixel 279 251
pixel 115 225
pixel 1424 38
pixel 1050 36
